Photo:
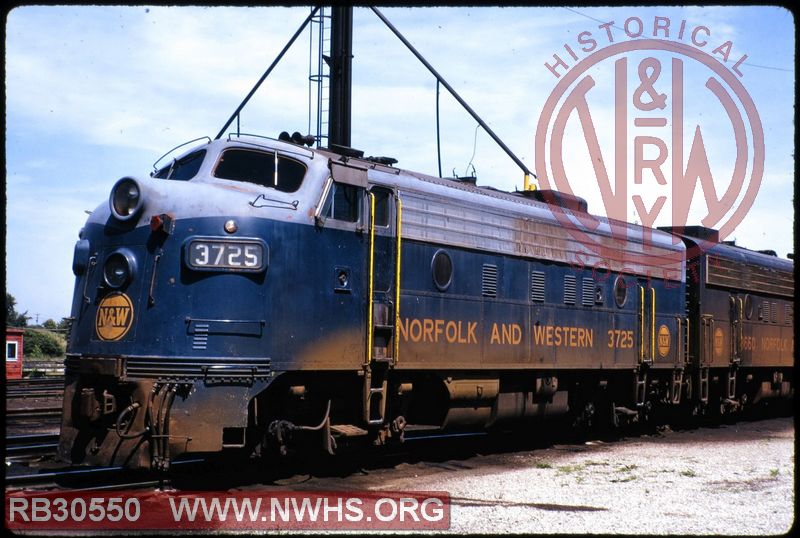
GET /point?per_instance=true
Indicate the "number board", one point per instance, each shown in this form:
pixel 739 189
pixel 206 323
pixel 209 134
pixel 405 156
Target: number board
pixel 215 254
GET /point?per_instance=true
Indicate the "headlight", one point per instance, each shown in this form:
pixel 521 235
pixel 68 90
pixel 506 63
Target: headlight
pixel 126 199
pixel 119 269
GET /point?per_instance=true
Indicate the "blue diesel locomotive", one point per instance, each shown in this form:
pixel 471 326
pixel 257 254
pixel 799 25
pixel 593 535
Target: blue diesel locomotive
pixel 256 295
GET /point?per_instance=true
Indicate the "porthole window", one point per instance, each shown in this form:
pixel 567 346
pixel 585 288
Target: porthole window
pixel 442 269
pixel 748 306
pixel 620 291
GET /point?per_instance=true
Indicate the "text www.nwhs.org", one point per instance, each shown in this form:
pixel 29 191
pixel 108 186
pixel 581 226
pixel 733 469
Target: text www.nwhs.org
pixel 239 510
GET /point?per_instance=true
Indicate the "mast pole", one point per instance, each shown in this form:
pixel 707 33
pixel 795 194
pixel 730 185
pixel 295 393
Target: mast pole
pixel 341 83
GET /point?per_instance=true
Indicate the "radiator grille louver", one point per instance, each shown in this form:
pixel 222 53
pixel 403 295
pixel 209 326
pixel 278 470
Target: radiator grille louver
pixel 200 338
pixel 537 286
pixel 489 281
pixel 587 292
pixel 570 285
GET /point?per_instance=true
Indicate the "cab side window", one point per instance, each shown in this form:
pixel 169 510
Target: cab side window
pixel 382 209
pixel 344 202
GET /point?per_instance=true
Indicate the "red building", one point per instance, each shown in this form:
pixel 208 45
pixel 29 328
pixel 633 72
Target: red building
pixel 14 346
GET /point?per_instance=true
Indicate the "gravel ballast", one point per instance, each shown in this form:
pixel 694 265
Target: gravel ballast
pixel 731 479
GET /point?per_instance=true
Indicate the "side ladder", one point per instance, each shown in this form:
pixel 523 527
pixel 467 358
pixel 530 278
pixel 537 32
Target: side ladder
pixel 382 319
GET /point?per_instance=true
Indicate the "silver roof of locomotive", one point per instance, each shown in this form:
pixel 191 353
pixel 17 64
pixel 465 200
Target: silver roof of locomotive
pixel 461 214
pixel 439 210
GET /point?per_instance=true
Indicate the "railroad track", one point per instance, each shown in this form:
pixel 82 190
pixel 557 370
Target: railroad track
pixel 96 478
pixel 24 447
pixel 33 404
pixel 35 382
pixel 35 388
pixel 33 413
pixel 72 475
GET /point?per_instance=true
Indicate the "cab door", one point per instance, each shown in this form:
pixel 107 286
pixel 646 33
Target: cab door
pixel 342 219
pixel 646 330
pixel 383 271
pixel 737 329
pixel 647 323
pixel 707 345
pixel 383 308
pixel 373 213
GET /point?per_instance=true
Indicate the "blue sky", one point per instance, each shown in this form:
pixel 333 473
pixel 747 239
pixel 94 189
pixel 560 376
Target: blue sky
pixel 95 93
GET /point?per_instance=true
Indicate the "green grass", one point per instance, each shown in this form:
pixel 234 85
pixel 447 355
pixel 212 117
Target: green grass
pixel 689 473
pixel 542 465
pixel 566 469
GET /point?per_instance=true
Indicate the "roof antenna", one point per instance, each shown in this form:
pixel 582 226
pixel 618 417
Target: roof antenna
pixel 474 147
pixel 526 171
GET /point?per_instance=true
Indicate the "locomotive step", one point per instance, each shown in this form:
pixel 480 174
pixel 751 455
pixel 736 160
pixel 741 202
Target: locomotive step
pixel 347 430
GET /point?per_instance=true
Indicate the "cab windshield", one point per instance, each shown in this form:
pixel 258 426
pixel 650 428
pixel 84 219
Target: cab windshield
pixel 267 169
pixel 183 169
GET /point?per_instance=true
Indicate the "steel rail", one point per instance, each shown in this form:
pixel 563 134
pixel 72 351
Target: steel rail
pixel 51 477
pixel 35 382
pixel 33 412
pixel 16 453
pixel 21 447
pixel 27 439
pixel 38 393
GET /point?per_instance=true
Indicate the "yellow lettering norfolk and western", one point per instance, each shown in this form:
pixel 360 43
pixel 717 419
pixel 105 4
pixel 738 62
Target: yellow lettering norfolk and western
pixel 437 330
pixel 506 333
pixel 776 344
pixel 562 336
pixel 428 336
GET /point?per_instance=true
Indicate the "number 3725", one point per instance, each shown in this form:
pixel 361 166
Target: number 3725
pixel 231 255
pixel 620 339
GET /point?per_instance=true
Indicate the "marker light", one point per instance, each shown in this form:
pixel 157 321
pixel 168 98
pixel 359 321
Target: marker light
pixel 162 223
pixel 126 199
